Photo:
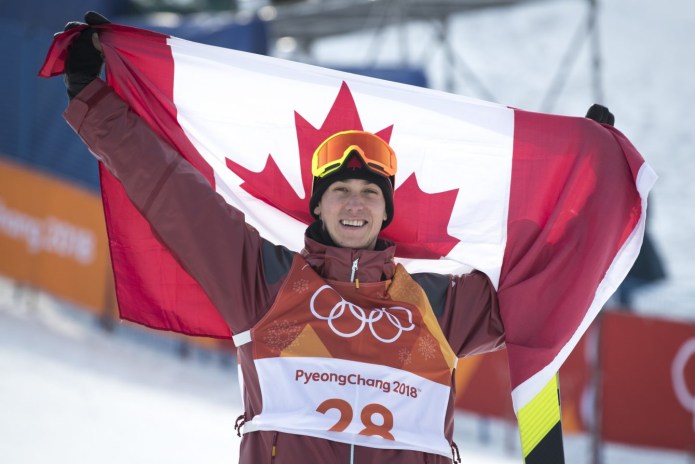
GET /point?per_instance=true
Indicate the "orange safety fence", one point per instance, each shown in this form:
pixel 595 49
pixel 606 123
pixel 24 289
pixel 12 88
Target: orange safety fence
pixel 53 237
pixel 646 381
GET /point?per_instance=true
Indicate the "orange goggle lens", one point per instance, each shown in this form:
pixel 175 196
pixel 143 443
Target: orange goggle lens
pixel 377 155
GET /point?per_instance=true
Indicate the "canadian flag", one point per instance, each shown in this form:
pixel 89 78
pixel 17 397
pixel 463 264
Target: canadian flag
pixel 552 208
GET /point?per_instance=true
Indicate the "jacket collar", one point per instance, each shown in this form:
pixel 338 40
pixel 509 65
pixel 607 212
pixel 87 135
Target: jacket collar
pixel 336 263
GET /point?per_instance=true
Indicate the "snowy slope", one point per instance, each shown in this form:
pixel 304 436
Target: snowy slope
pixel 69 393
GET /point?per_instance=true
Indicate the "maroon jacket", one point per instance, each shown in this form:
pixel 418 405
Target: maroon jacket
pixel 242 273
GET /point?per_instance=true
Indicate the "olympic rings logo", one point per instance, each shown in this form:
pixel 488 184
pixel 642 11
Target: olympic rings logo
pixel 342 307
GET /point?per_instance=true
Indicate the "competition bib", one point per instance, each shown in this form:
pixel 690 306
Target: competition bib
pixel 366 365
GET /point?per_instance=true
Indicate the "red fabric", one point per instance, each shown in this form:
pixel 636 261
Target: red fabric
pixel 151 286
pixel 648 362
pixel 572 205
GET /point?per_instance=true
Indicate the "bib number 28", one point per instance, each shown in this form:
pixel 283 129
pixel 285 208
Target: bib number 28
pixel 382 430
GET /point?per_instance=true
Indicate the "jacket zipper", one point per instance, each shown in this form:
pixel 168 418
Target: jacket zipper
pixel 355 264
pixel 354 271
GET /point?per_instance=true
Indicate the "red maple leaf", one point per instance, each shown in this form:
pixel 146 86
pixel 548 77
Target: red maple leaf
pixel 419 230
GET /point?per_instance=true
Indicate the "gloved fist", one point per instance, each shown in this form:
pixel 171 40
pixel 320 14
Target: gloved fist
pixel 600 113
pixel 84 60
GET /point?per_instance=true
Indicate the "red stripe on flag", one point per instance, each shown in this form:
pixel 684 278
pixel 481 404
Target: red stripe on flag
pixel 573 203
pixel 151 287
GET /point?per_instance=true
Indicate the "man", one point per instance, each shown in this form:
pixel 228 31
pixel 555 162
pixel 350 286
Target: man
pixel 345 357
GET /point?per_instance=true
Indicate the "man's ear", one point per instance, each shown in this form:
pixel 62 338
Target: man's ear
pixel 317 210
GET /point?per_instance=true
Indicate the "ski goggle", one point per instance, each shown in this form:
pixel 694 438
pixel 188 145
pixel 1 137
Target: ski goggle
pixel 376 154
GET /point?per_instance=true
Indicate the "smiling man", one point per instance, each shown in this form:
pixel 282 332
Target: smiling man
pixel 345 357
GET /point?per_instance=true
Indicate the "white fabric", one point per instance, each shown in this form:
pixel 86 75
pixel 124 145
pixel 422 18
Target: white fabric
pixel 293 388
pixel 426 125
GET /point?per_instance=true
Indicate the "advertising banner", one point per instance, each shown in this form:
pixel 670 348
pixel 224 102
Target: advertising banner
pixel 52 236
pixel 646 369
pixel 649 382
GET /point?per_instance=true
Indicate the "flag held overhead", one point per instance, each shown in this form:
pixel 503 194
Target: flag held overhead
pixel 551 208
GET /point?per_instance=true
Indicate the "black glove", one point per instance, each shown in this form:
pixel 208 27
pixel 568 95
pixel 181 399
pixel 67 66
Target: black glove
pixel 600 113
pixel 84 61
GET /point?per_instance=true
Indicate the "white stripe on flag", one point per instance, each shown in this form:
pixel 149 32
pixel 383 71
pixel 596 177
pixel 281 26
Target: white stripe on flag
pixel 242 106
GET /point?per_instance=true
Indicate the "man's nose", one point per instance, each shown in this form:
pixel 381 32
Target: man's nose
pixel 355 201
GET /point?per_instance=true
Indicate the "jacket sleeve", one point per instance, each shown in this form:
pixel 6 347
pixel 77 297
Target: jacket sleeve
pixel 467 309
pixel 207 236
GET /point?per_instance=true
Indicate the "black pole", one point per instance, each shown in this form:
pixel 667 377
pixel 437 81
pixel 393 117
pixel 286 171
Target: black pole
pixel 596 342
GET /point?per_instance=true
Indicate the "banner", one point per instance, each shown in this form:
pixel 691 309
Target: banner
pixel 52 236
pixel 649 382
pixel 647 367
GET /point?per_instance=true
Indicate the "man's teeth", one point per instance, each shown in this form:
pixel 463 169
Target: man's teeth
pixel 353 223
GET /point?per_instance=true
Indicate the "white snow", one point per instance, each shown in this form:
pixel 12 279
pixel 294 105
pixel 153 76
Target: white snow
pixel 72 393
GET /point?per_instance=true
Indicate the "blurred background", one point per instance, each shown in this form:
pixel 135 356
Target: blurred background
pixel 77 385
